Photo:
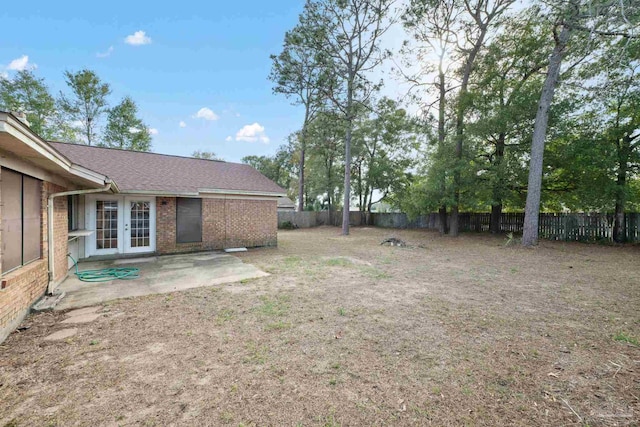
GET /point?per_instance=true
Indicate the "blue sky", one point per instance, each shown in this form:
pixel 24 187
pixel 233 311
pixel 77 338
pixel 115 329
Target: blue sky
pixel 212 55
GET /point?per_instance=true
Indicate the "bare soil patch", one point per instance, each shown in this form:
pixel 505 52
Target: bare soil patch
pixel 347 332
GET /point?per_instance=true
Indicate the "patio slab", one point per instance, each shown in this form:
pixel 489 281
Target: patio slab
pixel 62 334
pixel 158 275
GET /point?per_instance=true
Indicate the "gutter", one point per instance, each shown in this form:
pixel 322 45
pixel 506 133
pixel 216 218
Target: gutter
pixel 50 244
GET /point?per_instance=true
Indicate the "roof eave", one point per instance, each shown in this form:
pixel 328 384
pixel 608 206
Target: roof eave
pixel 201 192
pixel 11 125
pixel 241 192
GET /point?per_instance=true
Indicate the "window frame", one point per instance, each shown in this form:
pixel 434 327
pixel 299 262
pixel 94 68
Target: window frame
pixel 39 186
pixel 72 212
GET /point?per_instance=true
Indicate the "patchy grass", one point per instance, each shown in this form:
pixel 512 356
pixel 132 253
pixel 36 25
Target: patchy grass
pixel 278 326
pixel 225 315
pixel 338 262
pixel 446 331
pixel 623 337
pixel 256 353
pixel 274 306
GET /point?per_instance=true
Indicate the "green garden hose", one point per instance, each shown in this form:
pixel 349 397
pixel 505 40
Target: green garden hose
pixel 106 274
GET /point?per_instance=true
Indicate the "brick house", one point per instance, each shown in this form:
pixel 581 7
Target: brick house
pixel 91 201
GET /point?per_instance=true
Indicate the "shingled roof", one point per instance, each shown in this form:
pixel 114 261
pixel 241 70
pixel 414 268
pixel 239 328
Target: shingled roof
pixel 161 173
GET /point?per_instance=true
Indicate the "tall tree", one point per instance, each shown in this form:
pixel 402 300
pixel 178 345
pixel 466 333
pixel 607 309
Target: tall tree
pixel 348 34
pixel 326 150
pixel 588 19
pixel 87 102
pixel 481 15
pixel 503 94
pixel 298 73
pixel 125 130
pixel 384 149
pixel 610 132
pixel 432 24
pixel 28 94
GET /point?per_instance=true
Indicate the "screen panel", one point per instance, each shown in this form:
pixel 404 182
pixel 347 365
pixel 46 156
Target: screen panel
pixel 11 219
pixel 32 218
pixel 188 220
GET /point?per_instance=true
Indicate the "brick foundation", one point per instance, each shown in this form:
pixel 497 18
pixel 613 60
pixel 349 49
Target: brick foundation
pixel 226 223
pixel 23 286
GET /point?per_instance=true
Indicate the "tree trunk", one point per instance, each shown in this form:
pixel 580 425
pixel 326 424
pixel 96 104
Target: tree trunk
pixel 303 147
pixel 454 221
pixel 442 212
pixel 347 159
pixel 468 67
pixel 301 179
pixel 534 186
pixel 442 215
pixel 370 200
pixel 496 205
pixel 362 198
pixel 496 213
pixel 453 229
pixel 619 229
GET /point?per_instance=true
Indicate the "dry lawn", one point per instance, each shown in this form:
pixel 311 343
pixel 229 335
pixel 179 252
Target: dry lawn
pixel 347 332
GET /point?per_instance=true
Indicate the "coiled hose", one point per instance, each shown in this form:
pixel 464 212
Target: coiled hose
pixel 106 274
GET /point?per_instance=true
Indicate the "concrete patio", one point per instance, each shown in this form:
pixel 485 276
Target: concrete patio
pixel 158 275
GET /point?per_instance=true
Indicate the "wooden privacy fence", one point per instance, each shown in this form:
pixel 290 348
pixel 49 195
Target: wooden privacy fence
pixel 554 226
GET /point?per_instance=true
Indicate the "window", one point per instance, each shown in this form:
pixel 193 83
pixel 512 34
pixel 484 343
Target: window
pixel 72 212
pixel 188 220
pixel 21 219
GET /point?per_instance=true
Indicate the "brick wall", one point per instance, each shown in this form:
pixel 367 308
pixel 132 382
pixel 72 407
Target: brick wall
pixel 24 286
pixel 226 223
pixel 60 232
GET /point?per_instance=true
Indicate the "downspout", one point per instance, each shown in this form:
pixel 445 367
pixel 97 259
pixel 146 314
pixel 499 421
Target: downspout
pixel 50 243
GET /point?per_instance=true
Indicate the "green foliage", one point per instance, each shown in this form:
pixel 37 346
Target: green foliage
pixel 208 155
pixel 124 129
pixel 502 105
pixel 325 145
pixel 384 148
pixel 278 168
pixel 86 103
pixel 28 94
pixel 287 225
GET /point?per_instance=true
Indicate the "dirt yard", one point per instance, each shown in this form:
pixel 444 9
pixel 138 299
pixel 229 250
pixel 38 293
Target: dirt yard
pixel 347 332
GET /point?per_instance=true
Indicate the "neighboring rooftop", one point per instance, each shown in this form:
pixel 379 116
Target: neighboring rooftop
pixel 162 173
pixel 286 203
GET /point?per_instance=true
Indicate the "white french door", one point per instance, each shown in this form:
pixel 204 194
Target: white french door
pixel 121 224
pixel 139 224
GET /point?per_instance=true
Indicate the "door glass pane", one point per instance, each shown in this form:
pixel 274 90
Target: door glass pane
pixel 106 224
pixel 139 227
pixel 11 220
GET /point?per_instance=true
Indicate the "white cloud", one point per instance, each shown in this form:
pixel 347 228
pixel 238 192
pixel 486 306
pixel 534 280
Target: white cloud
pixel 133 130
pixel 228 138
pixel 106 53
pixel 207 114
pixel 19 64
pixel 152 131
pixel 252 133
pixel 138 38
pixel 4 75
pixel 182 124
